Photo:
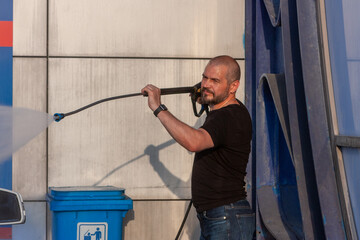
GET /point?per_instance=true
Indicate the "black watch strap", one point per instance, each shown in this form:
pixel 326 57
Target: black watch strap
pixel 162 107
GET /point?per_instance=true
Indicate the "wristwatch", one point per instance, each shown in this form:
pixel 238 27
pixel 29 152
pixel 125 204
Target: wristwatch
pixel 162 107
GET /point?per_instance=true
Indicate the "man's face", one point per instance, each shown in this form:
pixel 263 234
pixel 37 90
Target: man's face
pixel 214 85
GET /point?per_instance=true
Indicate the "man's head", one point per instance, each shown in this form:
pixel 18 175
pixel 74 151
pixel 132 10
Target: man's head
pixel 220 80
pixel 233 68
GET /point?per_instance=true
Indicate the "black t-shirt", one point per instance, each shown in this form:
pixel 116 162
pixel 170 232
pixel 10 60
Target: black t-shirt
pixel 218 173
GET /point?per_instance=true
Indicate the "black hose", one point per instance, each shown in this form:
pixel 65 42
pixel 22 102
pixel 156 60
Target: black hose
pixel 184 220
pixel 101 101
pixel 164 91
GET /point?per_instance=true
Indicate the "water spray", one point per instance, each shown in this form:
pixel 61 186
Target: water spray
pixel 195 92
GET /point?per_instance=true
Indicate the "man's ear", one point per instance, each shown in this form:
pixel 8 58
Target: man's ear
pixel 234 86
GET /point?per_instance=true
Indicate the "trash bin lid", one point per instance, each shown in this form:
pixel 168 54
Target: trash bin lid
pixel 86 193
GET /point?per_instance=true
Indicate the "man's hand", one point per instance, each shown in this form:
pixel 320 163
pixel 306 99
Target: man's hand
pixel 153 93
pixel 196 96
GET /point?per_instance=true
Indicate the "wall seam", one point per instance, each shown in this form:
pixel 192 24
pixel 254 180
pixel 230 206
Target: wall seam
pixel 47 110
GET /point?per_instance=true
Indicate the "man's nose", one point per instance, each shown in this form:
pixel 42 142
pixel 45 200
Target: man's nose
pixel 205 83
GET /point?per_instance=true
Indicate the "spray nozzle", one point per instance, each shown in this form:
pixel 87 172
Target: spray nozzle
pixel 58 116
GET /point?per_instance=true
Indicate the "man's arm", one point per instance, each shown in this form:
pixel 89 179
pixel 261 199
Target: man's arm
pixel 192 139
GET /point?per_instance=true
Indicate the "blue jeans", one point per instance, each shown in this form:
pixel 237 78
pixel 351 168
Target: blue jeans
pixel 235 221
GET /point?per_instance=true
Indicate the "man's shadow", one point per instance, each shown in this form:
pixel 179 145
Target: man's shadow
pixel 170 180
pixel 152 152
pixel 192 227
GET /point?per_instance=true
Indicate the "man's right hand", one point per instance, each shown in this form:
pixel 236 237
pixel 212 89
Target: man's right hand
pixel 154 99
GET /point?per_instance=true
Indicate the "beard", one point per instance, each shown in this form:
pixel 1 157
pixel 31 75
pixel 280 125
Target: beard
pixel 216 99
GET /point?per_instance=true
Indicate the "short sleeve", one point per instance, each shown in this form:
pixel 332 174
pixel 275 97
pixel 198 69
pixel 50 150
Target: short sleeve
pixel 216 125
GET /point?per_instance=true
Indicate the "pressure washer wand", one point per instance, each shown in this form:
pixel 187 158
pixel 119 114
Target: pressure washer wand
pixel 164 91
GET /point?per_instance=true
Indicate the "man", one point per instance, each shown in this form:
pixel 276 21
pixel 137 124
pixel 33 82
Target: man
pixel 222 147
pixel 97 234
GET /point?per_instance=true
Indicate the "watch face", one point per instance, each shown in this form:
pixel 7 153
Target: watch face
pixel 163 107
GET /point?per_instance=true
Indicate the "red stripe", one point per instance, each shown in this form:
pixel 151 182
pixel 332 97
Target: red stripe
pixel 5 233
pixel 6 33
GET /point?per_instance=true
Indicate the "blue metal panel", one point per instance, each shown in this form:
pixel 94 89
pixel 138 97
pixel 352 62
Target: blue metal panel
pixel 299 130
pixel 250 91
pixel 317 119
pixel 276 187
pixel 263 59
pixel 6 14
pixel 6 99
pixel 6 10
pixel 267 57
pixel 6 75
pixel 263 49
pixel 293 157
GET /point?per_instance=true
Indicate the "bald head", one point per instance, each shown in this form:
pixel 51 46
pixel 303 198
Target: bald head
pixel 233 68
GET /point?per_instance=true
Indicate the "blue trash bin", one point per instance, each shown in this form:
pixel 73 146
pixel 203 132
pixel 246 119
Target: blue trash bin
pixel 88 213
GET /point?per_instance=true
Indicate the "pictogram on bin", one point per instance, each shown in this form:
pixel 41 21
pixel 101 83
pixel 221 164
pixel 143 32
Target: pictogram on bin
pixel 88 213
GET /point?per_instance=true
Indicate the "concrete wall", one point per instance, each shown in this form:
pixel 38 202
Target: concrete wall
pixel 70 53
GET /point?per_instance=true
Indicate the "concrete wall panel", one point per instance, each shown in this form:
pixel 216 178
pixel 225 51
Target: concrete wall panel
pixel 240 93
pixel 30 27
pixel 120 142
pixel 137 28
pixel 160 220
pixel 29 163
pixel 117 143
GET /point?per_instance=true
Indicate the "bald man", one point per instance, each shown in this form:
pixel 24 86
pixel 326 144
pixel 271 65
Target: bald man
pixel 221 146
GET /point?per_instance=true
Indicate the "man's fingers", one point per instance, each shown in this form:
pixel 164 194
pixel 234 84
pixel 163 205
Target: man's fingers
pixel 153 94
pixel 148 89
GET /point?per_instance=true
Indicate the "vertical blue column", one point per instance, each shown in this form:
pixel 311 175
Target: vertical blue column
pixel 6 43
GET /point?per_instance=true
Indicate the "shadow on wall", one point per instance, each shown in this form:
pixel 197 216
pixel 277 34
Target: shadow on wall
pixel 166 176
pixel 192 228
pixel 153 153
